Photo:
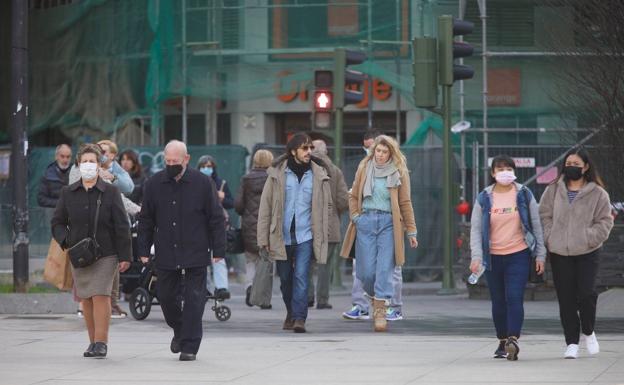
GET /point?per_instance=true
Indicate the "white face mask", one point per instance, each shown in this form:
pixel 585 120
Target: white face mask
pixel 88 171
pixel 505 178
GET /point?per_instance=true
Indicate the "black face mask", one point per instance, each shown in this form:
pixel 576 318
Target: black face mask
pixel 573 172
pixel 173 170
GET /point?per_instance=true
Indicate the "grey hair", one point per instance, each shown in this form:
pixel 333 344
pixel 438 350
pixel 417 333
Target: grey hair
pixel 320 146
pixel 60 146
pixel 176 144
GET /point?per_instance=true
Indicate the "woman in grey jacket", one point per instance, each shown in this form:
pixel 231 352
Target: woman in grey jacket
pixel 505 232
pixel 576 214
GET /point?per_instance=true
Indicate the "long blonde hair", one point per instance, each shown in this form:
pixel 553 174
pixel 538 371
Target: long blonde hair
pixel 396 156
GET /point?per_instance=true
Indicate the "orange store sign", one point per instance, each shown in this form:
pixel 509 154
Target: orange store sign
pixel 287 93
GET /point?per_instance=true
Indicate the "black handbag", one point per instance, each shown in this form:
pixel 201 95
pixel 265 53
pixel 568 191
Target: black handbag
pixel 87 251
pixel 234 241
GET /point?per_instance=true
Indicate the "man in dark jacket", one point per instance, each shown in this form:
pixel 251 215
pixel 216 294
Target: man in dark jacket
pixel 55 177
pixel 340 197
pixel 182 217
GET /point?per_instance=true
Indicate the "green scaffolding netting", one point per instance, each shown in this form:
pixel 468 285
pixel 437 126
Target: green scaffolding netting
pixel 96 64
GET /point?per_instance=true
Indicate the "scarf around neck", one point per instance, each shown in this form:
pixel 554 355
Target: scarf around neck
pixel 387 170
pixel 298 168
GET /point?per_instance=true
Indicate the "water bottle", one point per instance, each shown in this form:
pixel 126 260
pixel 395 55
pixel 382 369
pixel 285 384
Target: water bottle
pixel 474 277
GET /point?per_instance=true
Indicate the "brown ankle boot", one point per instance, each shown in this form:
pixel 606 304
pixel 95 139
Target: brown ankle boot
pixel 299 326
pixel 379 315
pixel 288 323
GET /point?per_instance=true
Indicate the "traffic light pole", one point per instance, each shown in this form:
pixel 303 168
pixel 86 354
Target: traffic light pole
pixel 338 116
pixel 448 282
pixel 338 138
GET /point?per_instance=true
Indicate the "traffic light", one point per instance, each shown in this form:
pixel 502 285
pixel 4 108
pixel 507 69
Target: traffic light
pixel 322 101
pixel 425 70
pixel 323 98
pixel 449 49
pixel 345 77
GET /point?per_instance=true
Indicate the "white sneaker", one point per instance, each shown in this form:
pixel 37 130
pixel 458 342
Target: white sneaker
pixel 591 343
pixel 571 351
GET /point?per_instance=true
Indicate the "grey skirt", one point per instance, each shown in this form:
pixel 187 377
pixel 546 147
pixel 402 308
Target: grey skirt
pixel 96 279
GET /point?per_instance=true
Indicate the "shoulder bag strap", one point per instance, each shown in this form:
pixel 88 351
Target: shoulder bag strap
pixel 97 216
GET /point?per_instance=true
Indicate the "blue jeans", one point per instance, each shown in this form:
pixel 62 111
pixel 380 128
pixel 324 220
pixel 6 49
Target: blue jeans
pixel 506 282
pixel 374 253
pixel 293 273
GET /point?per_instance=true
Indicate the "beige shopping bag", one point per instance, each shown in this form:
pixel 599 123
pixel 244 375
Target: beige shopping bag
pixel 57 270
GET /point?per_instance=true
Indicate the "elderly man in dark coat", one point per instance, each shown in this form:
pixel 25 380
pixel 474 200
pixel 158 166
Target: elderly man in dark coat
pixel 182 217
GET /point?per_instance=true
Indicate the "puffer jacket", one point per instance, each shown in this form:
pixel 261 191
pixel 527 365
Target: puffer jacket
pixel 247 204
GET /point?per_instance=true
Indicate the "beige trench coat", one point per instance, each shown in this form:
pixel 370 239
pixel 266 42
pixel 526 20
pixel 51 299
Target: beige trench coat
pixel 402 213
pixel 271 213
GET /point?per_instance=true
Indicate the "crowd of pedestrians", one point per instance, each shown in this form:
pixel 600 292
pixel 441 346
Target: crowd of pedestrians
pixel 291 208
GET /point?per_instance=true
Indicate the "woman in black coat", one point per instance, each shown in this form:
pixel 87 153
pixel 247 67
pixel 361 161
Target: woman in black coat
pixel 247 204
pixel 73 221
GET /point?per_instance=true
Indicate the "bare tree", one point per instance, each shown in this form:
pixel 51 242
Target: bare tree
pixel 589 71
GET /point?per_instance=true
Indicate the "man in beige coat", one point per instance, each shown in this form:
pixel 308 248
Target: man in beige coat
pixel 340 198
pixel 293 223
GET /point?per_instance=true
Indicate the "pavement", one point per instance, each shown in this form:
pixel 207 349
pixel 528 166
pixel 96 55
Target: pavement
pixel 442 340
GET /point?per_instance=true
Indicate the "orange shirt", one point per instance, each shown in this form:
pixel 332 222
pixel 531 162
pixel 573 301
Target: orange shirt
pixel 506 236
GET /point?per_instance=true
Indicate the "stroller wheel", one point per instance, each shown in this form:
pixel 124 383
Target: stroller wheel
pixel 140 303
pixel 223 313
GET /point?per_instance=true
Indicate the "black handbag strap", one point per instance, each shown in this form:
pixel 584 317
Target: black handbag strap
pixel 97 216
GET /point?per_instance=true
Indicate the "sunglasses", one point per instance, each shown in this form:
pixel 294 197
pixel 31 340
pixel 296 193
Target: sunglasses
pixel 306 147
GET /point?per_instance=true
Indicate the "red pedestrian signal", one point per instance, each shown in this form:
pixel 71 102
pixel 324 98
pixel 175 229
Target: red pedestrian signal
pixel 322 101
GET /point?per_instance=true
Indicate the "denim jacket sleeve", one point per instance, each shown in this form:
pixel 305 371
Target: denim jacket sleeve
pixel 476 229
pixel 536 225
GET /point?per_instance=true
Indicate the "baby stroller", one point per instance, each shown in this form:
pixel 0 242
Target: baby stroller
pixel 144 296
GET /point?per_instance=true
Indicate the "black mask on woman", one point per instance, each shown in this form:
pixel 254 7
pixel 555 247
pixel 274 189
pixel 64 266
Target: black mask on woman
pixel 173 170
pixel 573 172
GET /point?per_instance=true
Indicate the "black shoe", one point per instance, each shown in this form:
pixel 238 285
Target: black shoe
pixel 187 356
pixel 266 307
pixel 311 303
pixel 323 306
pixel 89 351
pixel 99 350
pixel 500 351
pixel 175 346
pixel 512 349
pixel 248 297
pixel 222 294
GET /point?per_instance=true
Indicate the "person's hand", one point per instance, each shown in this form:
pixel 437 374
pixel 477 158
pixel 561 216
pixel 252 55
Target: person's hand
pixel 144 260
pixel 123 266
pixel 474 265
pixel 106 175
pixel 263 252
pixel 539 267
pixel 413 242
pixel 221 195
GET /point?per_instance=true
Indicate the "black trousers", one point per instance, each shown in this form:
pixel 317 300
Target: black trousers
pixel 575 282
pixel 185 321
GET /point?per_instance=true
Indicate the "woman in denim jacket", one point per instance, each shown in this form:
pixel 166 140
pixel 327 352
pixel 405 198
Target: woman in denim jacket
pixel 505 233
